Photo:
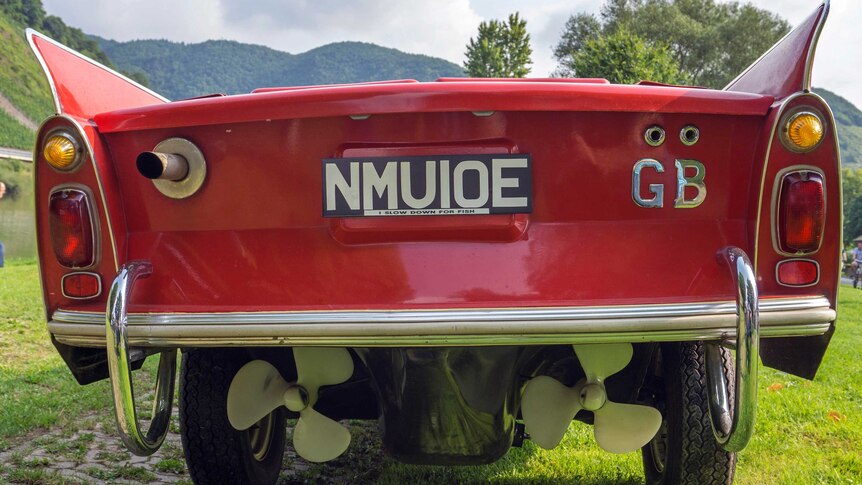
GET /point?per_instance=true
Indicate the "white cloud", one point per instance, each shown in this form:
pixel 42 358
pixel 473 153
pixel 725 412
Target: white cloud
pixel 440 28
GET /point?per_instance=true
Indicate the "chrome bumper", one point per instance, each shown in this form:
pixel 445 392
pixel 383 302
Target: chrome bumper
pixel 717 322
pixel 784 317
pixel 119 368
pixel 733 427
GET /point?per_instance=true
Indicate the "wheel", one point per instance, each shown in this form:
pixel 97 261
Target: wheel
pixel 684 450
pixel 215 452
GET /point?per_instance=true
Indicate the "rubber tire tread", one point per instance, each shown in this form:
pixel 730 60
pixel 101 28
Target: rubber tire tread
pixel 693 456
pixel 215 452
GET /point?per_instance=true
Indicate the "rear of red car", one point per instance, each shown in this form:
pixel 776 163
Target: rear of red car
pixel 458 237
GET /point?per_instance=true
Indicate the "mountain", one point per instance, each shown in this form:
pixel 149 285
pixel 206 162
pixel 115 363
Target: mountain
pixel 179 70
pixel 848 119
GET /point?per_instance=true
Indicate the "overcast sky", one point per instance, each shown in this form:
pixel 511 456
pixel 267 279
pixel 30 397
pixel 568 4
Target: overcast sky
pixel 438 28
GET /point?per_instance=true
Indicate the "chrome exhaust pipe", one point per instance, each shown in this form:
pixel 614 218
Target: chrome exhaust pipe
pixel 162 166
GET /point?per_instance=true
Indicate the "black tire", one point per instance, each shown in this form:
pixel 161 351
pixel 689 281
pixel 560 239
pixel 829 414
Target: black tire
pixel 215 452
pixel 684 450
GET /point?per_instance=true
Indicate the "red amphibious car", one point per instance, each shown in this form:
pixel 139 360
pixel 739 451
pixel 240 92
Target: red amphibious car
pixel 472 262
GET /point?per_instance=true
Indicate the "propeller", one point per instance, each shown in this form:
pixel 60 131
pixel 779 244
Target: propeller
pixel 548 406
pixel 258 389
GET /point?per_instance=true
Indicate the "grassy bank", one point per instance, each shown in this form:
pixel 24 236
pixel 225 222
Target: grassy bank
pixel 36 389
pixel 807 431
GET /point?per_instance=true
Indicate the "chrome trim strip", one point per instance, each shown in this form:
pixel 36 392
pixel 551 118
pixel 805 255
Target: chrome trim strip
pixel 525 326
pixel 30 33
pixel 119 368
pixel 812 48
pixel 274 338
pixel 733 427
pixel 500 315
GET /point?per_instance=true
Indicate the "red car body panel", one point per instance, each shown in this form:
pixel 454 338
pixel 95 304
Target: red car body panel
pixel 254 238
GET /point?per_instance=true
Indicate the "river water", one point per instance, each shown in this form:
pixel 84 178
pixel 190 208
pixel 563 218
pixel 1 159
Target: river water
pixel 17 225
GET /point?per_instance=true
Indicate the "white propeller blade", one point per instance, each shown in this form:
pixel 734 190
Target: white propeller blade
pixel 547 408
pixel 317 367
pixel 256 390
pixel 601 361
pixel 318 438
pixel 621 428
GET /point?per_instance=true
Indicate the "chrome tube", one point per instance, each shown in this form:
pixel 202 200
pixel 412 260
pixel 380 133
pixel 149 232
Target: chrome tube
pixel 162 166
pixel 120 369
pixel 734 426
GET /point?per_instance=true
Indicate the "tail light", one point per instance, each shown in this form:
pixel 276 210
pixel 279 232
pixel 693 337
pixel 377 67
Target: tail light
pixel 72 233
pixel 797 272
pixel 80 286
pixel 801 210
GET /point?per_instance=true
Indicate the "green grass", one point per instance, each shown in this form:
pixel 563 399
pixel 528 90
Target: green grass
pixel 14 134
pixel 807 431
pixel 36 388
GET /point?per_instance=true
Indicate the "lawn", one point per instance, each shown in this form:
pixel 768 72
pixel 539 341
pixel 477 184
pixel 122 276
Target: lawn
pixel 807 431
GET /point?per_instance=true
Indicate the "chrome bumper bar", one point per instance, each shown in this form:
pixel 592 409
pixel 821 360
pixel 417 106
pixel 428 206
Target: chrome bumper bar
pixel 733 427
pixel 119 367
pixel 784 317
pixel 520 326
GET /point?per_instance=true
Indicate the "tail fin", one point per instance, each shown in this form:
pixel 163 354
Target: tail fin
pixel 786 67
pixel 81 86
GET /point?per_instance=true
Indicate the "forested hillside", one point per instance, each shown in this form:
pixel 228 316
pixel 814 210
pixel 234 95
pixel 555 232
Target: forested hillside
pixel 849 120
pixel 179 70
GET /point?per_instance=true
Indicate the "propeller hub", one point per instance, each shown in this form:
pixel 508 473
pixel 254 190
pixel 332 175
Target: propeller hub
pixel 296 398
pixel 593 396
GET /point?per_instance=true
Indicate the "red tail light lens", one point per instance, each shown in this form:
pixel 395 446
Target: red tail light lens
pixel 72 228
pixel 797 272
pixel 81 285
pixel 801 209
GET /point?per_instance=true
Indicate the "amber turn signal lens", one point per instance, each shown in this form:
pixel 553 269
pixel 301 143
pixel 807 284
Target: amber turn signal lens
pixel 60 151
pixel 804 130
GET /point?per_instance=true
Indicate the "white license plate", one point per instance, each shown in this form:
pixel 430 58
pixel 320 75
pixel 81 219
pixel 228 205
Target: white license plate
pixel 428 185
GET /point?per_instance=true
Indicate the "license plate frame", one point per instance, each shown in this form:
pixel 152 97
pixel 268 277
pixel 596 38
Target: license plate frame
pixel 462 184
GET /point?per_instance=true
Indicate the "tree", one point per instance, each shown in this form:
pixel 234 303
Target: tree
pixel 501 49
pixel 624 58
pixel 711 41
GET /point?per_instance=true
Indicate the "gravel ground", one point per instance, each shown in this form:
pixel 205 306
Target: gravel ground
pixel 92 453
